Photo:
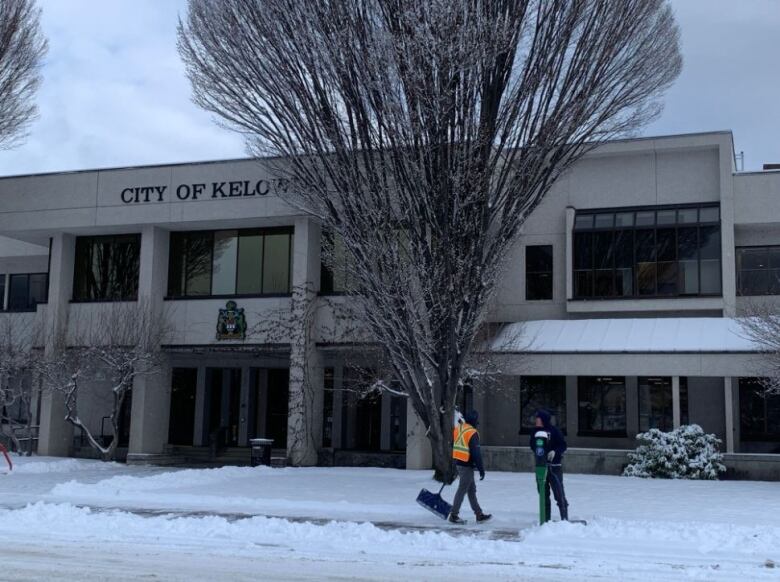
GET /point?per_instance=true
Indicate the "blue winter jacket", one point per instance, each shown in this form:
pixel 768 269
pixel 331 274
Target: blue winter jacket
pixel 557 442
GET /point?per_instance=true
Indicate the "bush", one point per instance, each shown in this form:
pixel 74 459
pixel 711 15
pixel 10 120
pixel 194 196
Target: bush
pixel 685 453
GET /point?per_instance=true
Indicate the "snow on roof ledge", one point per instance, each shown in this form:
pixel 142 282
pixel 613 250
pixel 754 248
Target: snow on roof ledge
pixel 649 335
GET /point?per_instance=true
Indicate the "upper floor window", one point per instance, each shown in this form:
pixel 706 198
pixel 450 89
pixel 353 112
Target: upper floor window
pixel 107 268
pixel 230 262
pixel 658 252
pixel 25 290
pixel 758 270
pixel 334 274
pixel 538 272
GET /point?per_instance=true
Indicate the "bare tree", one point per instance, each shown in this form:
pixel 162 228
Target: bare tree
pixel 17 361
pixel 22 48
pixel 120 344
pixel 424 134
pixel 762 326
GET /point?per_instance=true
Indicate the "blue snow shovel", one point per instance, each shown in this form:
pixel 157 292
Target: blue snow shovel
pixel 434 503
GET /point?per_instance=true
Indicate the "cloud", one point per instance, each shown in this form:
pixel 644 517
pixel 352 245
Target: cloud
pixel 115 93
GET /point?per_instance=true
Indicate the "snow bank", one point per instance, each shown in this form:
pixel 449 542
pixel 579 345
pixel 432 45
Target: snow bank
pixel 29 465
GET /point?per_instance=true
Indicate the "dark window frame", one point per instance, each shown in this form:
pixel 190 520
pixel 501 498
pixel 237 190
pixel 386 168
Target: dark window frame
pixel 554 382
pixel 263 231
pixel 618 433
pixel 745 432
pixel 590 273
pixel 529 274
pixel 91 239
pixel 767 270
pixel 683 380
pixel 30 306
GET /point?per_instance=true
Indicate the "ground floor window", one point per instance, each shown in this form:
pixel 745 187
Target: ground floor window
pixel 602 405
pixel 181 428
pixel 547 392
pixel 759 411
pixel 655 403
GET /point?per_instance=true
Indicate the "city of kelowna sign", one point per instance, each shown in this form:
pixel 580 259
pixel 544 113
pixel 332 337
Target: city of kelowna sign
pixel 203 191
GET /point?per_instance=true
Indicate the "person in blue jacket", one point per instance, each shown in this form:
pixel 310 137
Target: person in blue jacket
pixel 556 447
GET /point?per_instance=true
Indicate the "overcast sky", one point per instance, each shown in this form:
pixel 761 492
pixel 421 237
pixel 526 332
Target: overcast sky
pixel 114 91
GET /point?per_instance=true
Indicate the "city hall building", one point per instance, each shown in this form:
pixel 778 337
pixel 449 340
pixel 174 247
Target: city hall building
pixel 630 277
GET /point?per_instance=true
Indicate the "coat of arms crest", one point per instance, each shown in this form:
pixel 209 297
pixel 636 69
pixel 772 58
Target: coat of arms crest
pixel 231 323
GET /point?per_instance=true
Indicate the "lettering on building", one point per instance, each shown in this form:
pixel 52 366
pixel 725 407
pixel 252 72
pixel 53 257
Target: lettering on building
pixel 203 191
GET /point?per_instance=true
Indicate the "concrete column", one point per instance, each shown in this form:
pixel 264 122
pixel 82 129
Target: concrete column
pixel 570 213
pixel 306 381
pixel 149 416
pixel 729 400
pixel 728 262
pixel 150 412
pixel 676 412
pixel 55 433
pixel 418 447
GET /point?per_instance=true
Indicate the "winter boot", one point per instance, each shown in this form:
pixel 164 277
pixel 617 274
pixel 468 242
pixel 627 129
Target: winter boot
pixel 455 519
pixel 564 509
pixel 484 517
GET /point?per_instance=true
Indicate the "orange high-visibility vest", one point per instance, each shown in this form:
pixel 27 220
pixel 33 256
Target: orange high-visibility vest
pixel 461 435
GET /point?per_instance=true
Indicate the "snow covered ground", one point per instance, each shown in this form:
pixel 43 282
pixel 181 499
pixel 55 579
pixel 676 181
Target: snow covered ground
pixel 86 520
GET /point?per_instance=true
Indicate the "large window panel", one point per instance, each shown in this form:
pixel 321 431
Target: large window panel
pixel 26 291
pixel 276 263
pixel 758 270
pixel 664 252
pixel 250 261
pixel 542 392
pixel 106 268
pixel 602 406
pixel 230 262
pixel 759 411
pixel 538 272
pixel 223 280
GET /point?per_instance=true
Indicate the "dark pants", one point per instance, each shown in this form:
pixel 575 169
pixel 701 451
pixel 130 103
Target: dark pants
pixel 555 482
pixel 466 484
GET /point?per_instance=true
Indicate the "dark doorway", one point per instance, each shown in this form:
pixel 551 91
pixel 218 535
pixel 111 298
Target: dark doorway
pixel 277 406
pixel 123 425
pixel 368 422
pixel 182 419
pixel 223 387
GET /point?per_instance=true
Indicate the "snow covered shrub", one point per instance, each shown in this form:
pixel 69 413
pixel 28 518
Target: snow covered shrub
pixel 684 453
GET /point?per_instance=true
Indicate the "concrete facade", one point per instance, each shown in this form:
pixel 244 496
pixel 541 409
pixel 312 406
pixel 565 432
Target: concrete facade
pixel 42 217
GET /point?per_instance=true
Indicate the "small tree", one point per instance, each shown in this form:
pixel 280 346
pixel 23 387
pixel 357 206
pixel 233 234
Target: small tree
pixel 22 48
pixel 423 134
pixel 120 345
pixel 17 361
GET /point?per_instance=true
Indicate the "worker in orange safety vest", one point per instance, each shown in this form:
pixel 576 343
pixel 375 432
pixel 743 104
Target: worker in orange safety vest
pixel 468 457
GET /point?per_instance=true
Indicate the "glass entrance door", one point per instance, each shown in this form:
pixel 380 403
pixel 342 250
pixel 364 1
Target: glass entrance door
pixel 223 401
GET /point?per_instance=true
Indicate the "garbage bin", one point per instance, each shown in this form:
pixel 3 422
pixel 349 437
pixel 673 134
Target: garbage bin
pixel 261 452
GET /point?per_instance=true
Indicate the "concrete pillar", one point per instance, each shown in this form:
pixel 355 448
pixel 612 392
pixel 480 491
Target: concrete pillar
pixel 306 378
pixel 729 400
pixel 55 433
pixel 149 416
pixel 570 214
pixel 676 411
pixel 418 447
pixel 728 262
pixel 150 411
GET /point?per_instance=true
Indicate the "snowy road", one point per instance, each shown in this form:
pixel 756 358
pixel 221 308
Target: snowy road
pixel 667 530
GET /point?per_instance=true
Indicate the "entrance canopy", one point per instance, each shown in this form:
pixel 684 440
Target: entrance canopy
pixel 647 335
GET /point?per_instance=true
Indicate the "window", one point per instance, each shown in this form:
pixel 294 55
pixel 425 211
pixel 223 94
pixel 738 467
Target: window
pixel 759 411
pixel 25 291
pixel 602 406
pixel 548 392
pixel 655 403
pixel 758 270
pixel 538 272
pixel 230 262
pixel 107 268
pixel 334 272
pixel 661 252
